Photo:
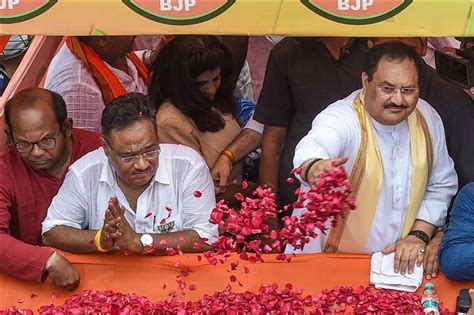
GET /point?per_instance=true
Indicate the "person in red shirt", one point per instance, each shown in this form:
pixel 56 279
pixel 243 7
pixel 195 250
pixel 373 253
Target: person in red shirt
pixel 32 168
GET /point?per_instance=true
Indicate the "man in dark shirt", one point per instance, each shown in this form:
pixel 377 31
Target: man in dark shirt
pixel 302 78
pixel 32 169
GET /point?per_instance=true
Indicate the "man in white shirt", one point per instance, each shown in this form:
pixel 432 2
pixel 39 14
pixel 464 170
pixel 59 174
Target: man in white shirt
pixel 393 144
pixel 133 193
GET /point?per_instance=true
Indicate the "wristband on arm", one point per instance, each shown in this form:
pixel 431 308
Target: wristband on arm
pixel 98 236
pixel 420 235
pixel 229 154
pixel 308 166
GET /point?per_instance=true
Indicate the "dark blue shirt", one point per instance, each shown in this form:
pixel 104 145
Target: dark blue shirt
pixel 456 254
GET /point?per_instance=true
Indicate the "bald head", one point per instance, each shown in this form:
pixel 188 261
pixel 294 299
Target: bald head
pixel 39 99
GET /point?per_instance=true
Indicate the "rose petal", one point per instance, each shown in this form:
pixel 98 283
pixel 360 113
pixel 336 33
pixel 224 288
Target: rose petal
pixel 197 194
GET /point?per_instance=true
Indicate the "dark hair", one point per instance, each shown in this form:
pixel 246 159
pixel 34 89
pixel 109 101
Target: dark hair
pixel 393 51
pixel 124 111
pixel 174 74
pixel 29 97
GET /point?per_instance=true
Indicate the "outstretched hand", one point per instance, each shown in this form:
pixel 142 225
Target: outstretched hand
pixel 321 166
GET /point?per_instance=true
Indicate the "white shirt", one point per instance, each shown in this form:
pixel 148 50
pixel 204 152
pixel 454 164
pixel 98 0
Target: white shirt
pixel 68 76
pixel 90 183
pixel 335 133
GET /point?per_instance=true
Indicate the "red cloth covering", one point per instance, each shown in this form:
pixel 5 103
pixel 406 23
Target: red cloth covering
pixel 25 196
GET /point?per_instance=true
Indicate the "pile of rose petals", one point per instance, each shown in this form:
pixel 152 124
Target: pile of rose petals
pixel 270 299
pixel 368 300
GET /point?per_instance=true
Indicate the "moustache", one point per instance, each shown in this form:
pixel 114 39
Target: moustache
pixel 141 172
pixel 391 105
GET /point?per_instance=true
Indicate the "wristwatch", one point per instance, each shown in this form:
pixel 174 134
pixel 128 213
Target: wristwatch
pixel 420 235
pixel 147 243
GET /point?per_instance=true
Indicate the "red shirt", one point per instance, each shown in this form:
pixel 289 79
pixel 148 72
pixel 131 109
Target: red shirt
pixel 25 196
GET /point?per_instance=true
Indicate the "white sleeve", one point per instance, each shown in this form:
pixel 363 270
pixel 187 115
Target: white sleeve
pixel 197 211
pixel 329 137
pixel 443 182
pixel 254 125
pixel 69 206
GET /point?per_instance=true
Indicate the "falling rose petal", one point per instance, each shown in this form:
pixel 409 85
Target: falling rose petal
pixel 177 263
pixel 192 287
pixel 197 194
pixel 163 243
pixel 168 209
pixel 163 221
pixel 290 180
pixel 239 196
pixel 245 185
pixel 246 269
pixel 233 278
pixel 20 301
pixel 148 214
pixel 181 239
pixel 33 296
pixel 199 258
pixel 196 246
pixel 297 170
pixel 273 235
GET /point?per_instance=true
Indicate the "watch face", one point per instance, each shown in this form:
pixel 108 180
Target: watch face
pixel 146 239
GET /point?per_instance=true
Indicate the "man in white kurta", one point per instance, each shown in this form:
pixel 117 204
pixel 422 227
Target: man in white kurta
pixel 90 183
pixel 133 193
pixel 389 93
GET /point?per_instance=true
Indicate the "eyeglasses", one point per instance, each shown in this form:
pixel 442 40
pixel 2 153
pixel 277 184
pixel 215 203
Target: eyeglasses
pixel 405 91
pixel 149 155
pixel 44 144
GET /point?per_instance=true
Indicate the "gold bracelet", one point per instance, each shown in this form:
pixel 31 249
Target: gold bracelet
pixel 230 155
pixel 98 236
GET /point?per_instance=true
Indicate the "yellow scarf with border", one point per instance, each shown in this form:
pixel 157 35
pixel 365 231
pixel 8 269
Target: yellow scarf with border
pixel 352 232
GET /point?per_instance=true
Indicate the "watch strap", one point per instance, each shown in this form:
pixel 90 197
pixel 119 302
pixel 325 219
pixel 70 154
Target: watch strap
pixel 420 235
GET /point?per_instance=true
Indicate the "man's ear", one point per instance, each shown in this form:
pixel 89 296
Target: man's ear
pixel 67 127
pixel 105 145
pixel 424 46
pixel 370 43
pixel 8 133
pixel 365 80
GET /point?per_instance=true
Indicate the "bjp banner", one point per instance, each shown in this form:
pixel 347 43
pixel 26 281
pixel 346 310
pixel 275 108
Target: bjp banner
pixel 288 17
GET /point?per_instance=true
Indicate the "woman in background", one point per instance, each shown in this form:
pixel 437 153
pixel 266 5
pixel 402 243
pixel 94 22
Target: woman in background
pixel 192 90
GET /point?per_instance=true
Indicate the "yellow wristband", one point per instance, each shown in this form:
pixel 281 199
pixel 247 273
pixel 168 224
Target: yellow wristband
pixel 230 155
pixel 98 236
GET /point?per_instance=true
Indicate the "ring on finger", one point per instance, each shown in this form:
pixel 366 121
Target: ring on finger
pixel 422 250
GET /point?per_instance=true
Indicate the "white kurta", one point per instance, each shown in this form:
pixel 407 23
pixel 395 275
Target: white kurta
pixel 90 183
pixel 335 133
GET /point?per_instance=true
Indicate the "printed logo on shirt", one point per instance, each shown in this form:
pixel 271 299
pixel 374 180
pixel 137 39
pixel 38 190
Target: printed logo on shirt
pixel 164 228
pixel 357 12
pixel 14 11
pixel 179 12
